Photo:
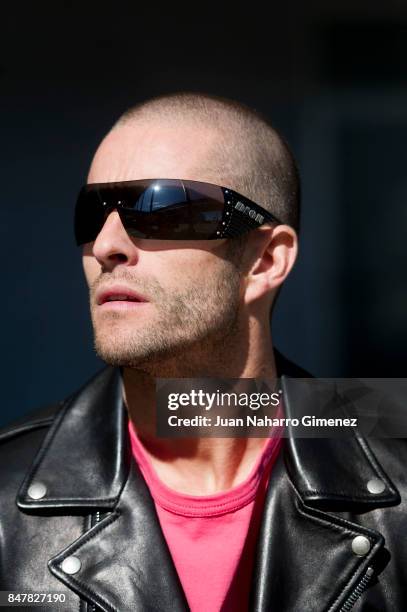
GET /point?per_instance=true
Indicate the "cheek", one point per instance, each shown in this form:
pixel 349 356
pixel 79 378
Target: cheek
pixel 196 273
pixel 185 266
pixel 91 267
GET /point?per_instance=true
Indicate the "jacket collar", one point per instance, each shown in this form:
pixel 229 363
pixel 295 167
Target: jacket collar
pixel 85 458
pixel 330 471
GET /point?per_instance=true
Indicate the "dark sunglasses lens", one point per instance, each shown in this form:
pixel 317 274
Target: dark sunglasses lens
pixel 174 210
pixel 168 209
pixel 89 216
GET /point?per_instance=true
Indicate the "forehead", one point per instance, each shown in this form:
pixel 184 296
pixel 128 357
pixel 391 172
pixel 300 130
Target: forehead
pixel 155 150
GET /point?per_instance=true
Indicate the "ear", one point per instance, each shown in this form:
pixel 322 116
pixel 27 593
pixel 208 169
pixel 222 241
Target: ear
pixel 276 250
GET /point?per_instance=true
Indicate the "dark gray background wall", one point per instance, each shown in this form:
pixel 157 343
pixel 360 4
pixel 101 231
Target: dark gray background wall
pixel 332 77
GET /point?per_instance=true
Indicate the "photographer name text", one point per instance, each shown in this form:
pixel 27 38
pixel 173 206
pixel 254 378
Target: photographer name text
pixel 252 420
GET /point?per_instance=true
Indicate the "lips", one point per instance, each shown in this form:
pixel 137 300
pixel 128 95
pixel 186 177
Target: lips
pixel 118 293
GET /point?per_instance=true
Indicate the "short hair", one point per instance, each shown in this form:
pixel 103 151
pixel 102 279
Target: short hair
pixel 251 157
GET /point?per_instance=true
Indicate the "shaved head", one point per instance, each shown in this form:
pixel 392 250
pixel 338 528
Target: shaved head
pixel 242 150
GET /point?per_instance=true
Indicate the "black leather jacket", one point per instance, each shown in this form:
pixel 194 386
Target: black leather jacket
pixel 97 509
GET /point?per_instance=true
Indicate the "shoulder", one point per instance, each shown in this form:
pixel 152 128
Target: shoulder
pixel 36 419
pixel 286 367
pixel 42 417
pixel 20 441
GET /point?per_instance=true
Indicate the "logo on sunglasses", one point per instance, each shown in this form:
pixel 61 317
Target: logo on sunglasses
pixel 246 210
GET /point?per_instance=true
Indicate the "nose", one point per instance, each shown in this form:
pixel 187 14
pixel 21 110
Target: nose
pixel 113 245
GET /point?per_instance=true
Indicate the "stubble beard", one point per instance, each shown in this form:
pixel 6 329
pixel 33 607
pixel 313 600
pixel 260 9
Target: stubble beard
pixel 187 331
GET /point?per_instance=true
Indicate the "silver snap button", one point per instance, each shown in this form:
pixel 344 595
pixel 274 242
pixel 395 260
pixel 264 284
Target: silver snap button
pixel 375 486
pixel 360 545
pixel 37 490
pixel 71 565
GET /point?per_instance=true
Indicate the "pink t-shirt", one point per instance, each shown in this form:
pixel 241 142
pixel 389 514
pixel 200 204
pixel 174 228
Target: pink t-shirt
pixel 212 538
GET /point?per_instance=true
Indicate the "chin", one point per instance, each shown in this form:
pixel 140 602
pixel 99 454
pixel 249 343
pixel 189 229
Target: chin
pixel 116 357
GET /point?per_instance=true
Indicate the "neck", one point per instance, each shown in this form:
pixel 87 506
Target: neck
pixel 199 465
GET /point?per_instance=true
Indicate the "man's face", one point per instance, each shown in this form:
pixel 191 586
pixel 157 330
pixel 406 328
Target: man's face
pixel 192 288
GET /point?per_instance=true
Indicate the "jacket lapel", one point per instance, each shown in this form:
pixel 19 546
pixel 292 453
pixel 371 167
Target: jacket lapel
pixel 305 558
pixel 85 462
pixel 125 561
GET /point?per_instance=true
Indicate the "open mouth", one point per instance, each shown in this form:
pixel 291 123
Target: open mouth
pixel 119 297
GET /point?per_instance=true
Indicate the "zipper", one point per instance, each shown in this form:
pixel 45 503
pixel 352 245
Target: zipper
pixel 96 520
pixel 358 590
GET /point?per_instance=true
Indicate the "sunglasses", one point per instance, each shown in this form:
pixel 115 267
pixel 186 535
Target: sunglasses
pixel 167 209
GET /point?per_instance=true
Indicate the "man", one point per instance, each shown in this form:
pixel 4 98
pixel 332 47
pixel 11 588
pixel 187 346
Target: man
pixel 100 511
